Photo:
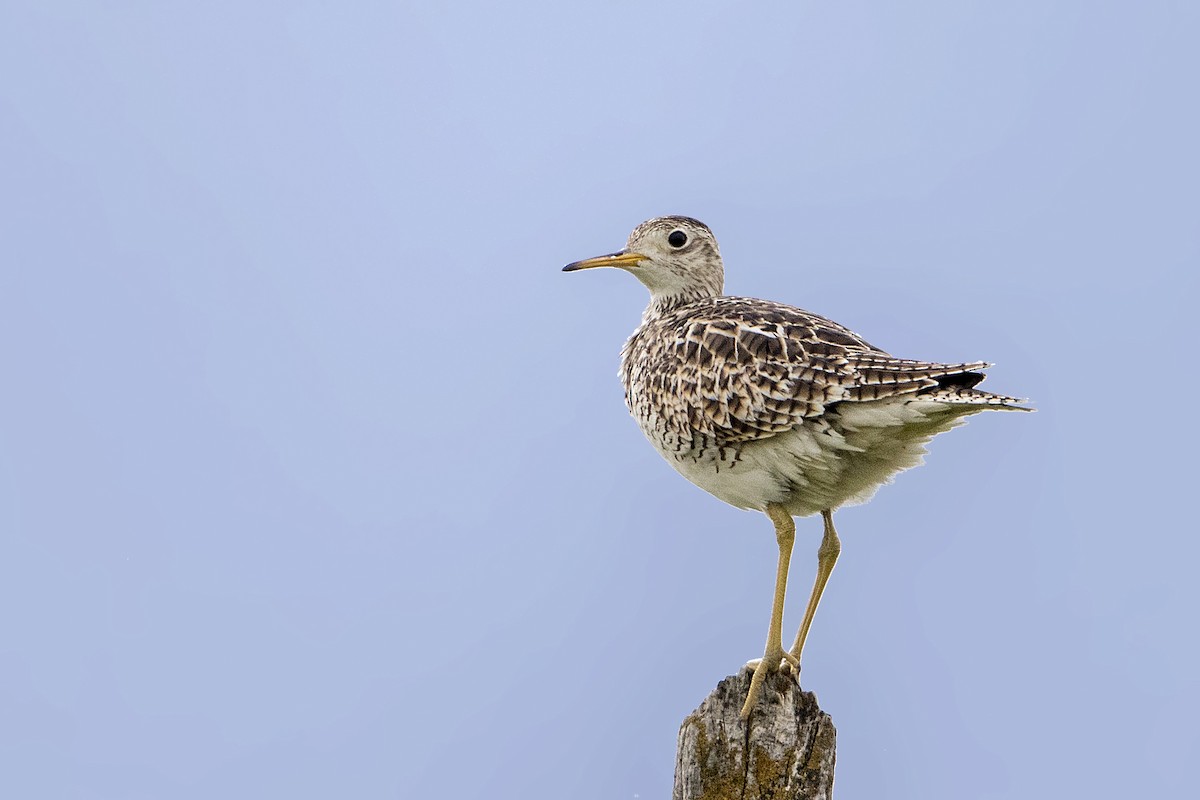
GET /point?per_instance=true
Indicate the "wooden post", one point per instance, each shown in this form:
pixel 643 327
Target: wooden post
pixel 785 752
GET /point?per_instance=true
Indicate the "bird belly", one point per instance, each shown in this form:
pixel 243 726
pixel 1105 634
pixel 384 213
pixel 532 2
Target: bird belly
pixel 840 458
pixel 732 479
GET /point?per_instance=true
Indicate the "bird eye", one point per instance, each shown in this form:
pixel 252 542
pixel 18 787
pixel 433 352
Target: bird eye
pixel 677 239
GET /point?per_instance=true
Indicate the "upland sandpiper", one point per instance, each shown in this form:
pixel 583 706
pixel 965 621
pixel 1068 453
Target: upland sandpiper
pixel 772 408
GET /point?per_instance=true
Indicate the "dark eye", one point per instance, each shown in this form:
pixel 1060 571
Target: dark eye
pixel 677 239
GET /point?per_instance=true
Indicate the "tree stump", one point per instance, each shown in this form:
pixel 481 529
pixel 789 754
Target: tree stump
pixel 785 751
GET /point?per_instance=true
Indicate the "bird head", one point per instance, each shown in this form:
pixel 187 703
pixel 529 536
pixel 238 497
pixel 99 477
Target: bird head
pixel 676 258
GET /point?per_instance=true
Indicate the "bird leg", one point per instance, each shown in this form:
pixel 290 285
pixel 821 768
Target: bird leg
pixel 827 555
pixel 774 656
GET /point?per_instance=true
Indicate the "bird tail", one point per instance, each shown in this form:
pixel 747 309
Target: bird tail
pixel 958 388
pixel 970 396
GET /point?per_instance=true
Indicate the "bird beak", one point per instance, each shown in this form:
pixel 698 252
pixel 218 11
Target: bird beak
pixel 621 259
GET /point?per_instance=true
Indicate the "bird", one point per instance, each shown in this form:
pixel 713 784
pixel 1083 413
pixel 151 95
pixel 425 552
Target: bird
pixel 772 408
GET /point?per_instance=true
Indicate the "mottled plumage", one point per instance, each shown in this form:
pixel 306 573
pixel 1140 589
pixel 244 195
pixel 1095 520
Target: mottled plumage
pixel 716 384
pixel 770 407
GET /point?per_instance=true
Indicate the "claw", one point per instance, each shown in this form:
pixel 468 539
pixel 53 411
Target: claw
pixel 770 662
pixel 756 682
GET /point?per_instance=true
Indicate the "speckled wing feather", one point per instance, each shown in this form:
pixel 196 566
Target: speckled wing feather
pixel 734 369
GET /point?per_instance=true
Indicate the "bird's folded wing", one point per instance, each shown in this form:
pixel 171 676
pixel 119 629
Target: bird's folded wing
pixel 753 369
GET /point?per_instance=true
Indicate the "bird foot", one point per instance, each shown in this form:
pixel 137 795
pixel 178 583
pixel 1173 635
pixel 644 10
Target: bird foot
pixel 787 663
pixel 779 661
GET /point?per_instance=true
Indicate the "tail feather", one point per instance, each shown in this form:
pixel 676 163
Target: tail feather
pixel 966 395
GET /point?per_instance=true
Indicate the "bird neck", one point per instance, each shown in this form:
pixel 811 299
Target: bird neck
pixel 663 303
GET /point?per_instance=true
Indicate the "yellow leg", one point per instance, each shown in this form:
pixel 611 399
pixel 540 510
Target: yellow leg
pixel 827 556
pixel 785 534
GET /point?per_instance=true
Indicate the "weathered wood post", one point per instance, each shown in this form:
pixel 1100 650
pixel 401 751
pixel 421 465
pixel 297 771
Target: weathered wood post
pixel 785 751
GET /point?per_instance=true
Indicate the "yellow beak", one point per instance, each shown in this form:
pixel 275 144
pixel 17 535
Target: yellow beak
pixel 622 259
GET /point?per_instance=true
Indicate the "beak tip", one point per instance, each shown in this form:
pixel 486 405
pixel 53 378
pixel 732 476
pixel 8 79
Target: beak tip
pixel 619 259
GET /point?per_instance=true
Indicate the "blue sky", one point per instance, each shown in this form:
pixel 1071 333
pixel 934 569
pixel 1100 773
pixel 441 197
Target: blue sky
pixel 315 477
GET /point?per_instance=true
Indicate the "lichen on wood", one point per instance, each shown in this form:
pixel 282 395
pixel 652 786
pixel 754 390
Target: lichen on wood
pixel 784 751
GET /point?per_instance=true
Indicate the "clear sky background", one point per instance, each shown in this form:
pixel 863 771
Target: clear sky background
pixel 315 476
